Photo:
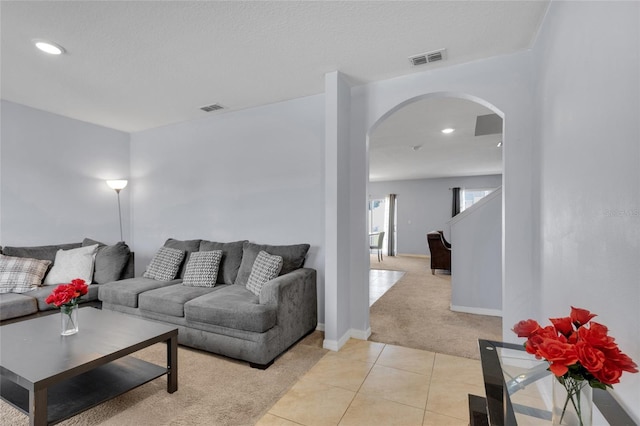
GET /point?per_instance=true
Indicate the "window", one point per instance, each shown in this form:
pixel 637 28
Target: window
pixel 472 196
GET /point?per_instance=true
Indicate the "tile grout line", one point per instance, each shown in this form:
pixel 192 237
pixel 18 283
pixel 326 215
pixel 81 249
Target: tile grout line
pixel 426 404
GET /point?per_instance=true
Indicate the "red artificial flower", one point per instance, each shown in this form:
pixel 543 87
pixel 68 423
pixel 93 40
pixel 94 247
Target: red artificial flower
pixel 609 374
pixel 591 358
pixel 580 316
pixel 622 361
pixel 80 286
pixel 563 325
pixel 560 354
pixel 597 336
pixel 525 327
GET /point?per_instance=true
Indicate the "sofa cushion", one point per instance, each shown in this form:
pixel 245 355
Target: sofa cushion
pixel 72 264
pixel 20 275
pixel 202 269
pixel 292 258
pixel 16 305
pixel 187 246
pixel 39 252
pixel 265 268
pixel 170 300
pixel 165 264
pixel 231 259
pixel 232 306
pixel 110 260
pixel 125 292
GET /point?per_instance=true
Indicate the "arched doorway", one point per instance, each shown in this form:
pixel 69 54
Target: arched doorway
pixel 415 230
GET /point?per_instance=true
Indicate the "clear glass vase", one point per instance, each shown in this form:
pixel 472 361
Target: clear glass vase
pixel 572 402
pixel 69 318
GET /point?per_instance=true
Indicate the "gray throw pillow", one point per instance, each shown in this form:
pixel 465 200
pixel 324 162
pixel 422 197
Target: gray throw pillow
pixel 292 258
pixel 165 264
pixel 265 268
pixel 110 260
pixel 231 258
pixel 187 246
pixel 202 268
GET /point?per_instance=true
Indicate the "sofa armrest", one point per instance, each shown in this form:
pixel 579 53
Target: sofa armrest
pixel 296 300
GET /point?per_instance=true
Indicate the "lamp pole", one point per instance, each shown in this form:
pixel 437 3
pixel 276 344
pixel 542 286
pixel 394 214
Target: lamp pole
pixel 119 213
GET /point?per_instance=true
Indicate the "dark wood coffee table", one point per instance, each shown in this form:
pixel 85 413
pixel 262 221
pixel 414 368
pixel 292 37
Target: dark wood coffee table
pixel 51 377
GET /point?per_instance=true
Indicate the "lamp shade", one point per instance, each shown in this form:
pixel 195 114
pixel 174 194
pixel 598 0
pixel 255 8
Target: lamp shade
pixel 117 184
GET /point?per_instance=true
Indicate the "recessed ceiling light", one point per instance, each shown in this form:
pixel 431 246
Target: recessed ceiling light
pixel 49 47
pixel 447 130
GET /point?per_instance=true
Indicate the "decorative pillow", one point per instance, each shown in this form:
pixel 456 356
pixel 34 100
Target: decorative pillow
pixel 21 274
pixel 165 264
pixel 292 258
pixel 110 260
pixel 188 246
pixel 265 268
pixel 231 258
pixel 72 264
pixel 202 268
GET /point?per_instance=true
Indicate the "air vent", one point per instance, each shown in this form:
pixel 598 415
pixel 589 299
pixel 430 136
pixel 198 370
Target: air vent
pixel 210 108
pixel 429 57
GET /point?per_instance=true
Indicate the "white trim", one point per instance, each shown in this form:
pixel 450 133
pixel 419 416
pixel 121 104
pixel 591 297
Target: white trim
pixel 477 311
pixel 335 346
pixel 361 334
pixel 320 326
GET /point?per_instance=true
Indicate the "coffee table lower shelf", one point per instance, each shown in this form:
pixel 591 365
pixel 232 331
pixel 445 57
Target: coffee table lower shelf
pixel 79 393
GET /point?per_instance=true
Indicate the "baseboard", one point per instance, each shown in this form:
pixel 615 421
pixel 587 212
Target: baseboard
pixel 335 345
pixel 320 326
pixel 361 334
pixel 420 256
pixel 477 311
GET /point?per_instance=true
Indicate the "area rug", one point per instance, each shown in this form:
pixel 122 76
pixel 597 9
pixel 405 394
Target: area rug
pixel 415 312
pixel 212 390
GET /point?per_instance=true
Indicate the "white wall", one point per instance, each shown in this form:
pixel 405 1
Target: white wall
pixel 53 172
pixel 424 205
pixel 476 257
pixel 255 174
pixel 588 134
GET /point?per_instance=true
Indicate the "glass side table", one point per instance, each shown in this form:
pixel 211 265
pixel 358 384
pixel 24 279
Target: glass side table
pixel 518 391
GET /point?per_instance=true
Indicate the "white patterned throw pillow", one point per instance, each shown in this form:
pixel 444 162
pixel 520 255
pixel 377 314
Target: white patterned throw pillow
pixel 265 268
pixel 165 264
pixel 21 274
pixel 202 268
pixel 71 264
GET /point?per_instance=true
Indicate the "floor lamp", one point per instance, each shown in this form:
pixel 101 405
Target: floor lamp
pixel 118 185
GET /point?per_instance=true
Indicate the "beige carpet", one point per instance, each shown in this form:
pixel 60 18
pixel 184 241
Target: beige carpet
pixel 415 312
pixel 212 390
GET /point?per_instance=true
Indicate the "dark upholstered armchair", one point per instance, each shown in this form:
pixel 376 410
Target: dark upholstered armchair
pixel 440 251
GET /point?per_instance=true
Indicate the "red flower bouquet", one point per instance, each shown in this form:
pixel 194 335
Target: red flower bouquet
pixel 579 352
pixel 65 297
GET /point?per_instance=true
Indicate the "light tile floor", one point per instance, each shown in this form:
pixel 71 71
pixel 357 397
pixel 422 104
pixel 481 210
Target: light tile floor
pixel 380 281
pixel 369 383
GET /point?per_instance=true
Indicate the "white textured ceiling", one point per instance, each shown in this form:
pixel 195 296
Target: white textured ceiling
pixel 134 65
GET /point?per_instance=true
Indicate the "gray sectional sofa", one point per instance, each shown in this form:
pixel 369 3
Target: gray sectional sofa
pixel 112 262
pixel 227 318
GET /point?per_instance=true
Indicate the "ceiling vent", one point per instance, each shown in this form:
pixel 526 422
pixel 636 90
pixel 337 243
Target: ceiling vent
pixel 213 107
pixel 429 57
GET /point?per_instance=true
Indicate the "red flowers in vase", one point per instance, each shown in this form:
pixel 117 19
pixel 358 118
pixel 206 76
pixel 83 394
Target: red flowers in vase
pixel 67 295
pixel 577 347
